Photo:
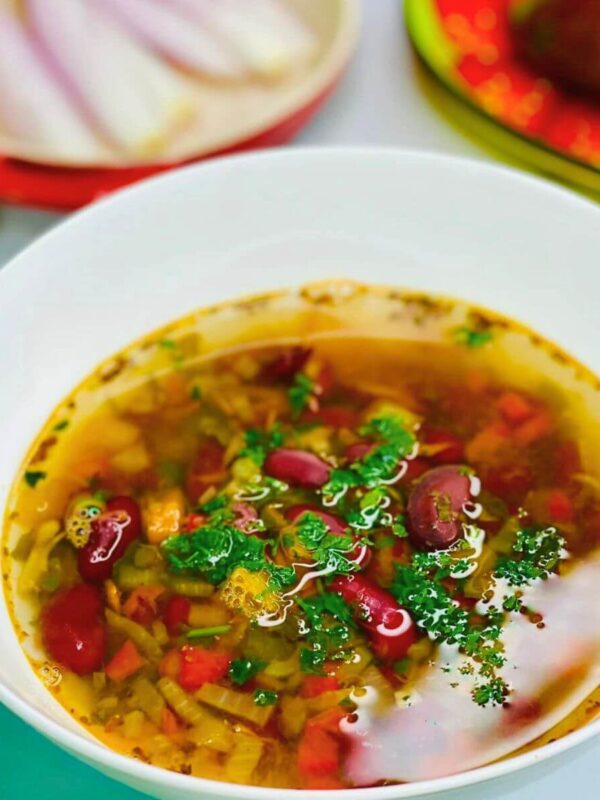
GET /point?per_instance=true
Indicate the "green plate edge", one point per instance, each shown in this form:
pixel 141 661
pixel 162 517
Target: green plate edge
pixel 440 56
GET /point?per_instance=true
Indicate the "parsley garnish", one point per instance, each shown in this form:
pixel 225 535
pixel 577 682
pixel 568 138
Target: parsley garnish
pixel 33 477
pixel 60 426
pixel 216 549
pixel 242 670
pixel 331 626
pixel 300 393
pixel 472 337
pixel 381 464
pixel 435 611
pixel 258 444
pixel 331 553
pixel 263 697
pixel 538 551
pixel 399 527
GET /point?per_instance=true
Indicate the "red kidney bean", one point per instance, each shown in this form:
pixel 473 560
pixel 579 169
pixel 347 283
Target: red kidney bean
pixel 334 416
pixel 73 631
pixel 297 468
pixel 434 506
pixel 358 450
pixel 334 523
pixel 284 366
pixel 389 625
pixel 112 533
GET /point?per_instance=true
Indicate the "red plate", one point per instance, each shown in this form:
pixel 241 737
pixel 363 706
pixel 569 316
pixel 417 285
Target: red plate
pixel 65 188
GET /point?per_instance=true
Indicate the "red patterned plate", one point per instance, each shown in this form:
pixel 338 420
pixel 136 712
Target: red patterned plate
pixel 56 186
pixel 468 46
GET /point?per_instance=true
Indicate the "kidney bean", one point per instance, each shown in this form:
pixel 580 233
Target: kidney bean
pixel 334 416
pixel 389 625
pixel 112 533
pixel 284 366
pixel 434 507
pixel 73 631
pixel 297 468
pixel 358 450
pixel 334 523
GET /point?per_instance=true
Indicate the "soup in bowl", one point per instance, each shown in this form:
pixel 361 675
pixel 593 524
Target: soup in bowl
pixel 328 538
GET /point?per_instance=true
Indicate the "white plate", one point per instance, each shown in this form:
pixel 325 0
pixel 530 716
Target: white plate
pixel 239 225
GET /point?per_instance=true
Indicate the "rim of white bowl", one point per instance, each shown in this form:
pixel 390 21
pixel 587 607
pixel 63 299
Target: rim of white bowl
pixel 92 751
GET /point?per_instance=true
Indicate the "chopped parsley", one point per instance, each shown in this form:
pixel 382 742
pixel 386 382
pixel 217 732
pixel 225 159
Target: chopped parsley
pixel 33 477
pixel 330 628
pixel 258 444
pixel 472 337
pixel 381 464
pixel 371 510
pixel 300 393
pixel 263 697
pixel 60 426
pixel 216 549
pixel 434 610
pixel 241 670
pixel 195 393
pixel 537 553
pixel 330 552
pixel 399 527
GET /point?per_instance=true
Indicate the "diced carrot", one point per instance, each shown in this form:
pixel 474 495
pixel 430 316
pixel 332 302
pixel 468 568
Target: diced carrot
pixel 141 604
pixel 177 613
pixel 170 665
pixel 318 754
pixel 533 429
pixel 163 515
pixel 314 685
pixel 125 662
pixel 560 507
pixel 514 407
pixel 169 723
pixel 200 666
pixel 328 720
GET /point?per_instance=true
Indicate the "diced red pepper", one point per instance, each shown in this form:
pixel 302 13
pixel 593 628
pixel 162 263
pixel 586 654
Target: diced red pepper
pixel 514 407
pixel 192 522
pixel 284 366
pixel 318 754
pixel 125 662
pixel 73 631
pixel 200 666
pixel 314 685
pixel 177 613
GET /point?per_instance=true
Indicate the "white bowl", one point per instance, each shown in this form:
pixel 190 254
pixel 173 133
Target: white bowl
pixel 240 225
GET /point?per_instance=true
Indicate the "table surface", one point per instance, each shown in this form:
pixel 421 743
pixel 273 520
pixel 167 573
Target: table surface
pixel 385 99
